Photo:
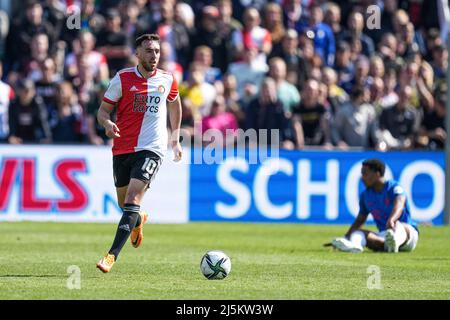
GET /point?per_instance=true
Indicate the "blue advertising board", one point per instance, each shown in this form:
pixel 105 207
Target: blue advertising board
pixel 310 186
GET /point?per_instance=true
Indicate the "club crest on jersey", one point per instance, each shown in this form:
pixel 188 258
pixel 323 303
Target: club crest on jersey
pixel 143 103
pixel 161 89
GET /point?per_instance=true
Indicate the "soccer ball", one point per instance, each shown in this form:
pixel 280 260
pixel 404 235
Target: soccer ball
pixel 215 265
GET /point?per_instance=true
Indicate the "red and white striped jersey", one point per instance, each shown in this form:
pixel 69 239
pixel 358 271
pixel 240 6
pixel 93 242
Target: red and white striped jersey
pixel 141 109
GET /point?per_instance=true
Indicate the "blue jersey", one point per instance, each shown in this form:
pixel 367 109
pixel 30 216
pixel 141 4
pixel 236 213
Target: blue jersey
pixel 380 204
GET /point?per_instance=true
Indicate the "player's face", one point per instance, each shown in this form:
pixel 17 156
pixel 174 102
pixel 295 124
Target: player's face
pixel 148 54
pixel 369 177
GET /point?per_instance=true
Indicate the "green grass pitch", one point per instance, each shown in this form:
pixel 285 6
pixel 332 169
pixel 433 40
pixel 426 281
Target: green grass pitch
pixel 269 261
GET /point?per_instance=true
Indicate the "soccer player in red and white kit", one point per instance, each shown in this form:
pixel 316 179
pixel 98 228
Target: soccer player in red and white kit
pixel 140 136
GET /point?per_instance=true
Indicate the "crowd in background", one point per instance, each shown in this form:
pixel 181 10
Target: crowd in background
pixel 315 70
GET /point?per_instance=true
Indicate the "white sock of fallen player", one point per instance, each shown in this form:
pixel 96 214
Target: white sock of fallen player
pixel 358 238
pixel 400 234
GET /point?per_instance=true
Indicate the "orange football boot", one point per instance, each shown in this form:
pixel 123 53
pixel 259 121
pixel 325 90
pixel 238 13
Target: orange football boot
pixel 105 264
pixel 137 234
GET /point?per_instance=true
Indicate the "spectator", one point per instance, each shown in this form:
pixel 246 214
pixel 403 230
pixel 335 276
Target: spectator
pixel 249 75
pixel 239 7
pixel 376 73
pixel 324 43
pixel 409 75
pixel 207 33
pixel 174 33
pixel 19 41
pixel 387 20
pixel 187 121
pixel 376 68
pixel 293 11
pixel 432 40
pixel 197 93
pixel 336 96
pixel 39 52
pixel 90 20
pixel 84 83
pixel 252 36
pixel 425 85
pixel 144 11
pixel 185 16
pixel 204 57
pixel 432 133
pixel 226 26
pixel 399 124
pixel 377 94
pixel 84 46
pixel 112 42
pixel 400 19
pixel 333 19
pixel 28 116
pixel 356 49
pixel 388 50
pixel 296 66
pixel 132 26
pixel 287 93
pixel 227 23
pixel 390 97
pixel 273 22
pixel 220 120
pixel 311 120
pixel 232 102
pixel 407 43
pixel 355 123
pixel 361 77
pixel 29 67
pixel 66 118
pixel 355 29
pixel 46 86
pixel 54 13
pixel 211 36
pixel 6 96
pixel 167 64
pixel 440 62
pixel 343 63
pixel 306 47
pixel 266 112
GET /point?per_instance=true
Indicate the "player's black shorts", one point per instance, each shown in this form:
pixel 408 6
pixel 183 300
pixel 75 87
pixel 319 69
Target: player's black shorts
pixel 142 165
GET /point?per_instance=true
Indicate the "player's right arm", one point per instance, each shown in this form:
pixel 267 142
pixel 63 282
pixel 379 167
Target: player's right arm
pixel 357 224
pixel 360 219
pixel 104 119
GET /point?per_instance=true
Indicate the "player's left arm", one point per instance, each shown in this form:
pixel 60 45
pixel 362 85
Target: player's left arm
pixel 175 125
pixel 397 210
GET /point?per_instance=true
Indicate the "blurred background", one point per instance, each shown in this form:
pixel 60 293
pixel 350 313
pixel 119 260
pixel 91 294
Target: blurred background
pixel 332 76
pixel 327 77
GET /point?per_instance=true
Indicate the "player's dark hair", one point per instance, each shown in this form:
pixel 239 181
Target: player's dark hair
pixel 375 165
pixel 144 37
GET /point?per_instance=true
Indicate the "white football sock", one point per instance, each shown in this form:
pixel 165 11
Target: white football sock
pixel 400 234
pixel 358 238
